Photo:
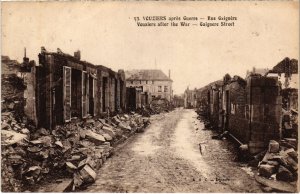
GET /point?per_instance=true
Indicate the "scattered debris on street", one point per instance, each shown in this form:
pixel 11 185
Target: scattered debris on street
pixel 279 164
pixel 75 150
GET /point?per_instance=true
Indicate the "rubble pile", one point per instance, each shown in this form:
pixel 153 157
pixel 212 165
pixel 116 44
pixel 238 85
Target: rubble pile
pixel 290 123
pixel 13 145
pixel 12 94
pixel 280 162
pixel 74 150
pixel 12 87
pixel 161 105
pixel 145 111
pixel 157 106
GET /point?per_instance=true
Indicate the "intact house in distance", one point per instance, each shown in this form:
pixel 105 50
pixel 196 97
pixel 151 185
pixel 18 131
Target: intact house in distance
pixel 151 81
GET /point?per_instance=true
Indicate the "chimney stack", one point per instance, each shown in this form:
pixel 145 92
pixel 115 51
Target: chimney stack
pixel 169 73
pixel 25 59
pixel 77 55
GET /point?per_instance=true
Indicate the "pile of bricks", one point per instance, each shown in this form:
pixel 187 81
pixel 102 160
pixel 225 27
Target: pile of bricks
pixel 280 163
pixel 75 150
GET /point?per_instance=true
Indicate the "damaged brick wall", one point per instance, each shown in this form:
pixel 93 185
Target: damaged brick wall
pixel 92 90
pixel 214 105
pixel 112 101
pixel 236 109
pixel 265 106
pixel 30 96
pixel 250 110
pixel 133 98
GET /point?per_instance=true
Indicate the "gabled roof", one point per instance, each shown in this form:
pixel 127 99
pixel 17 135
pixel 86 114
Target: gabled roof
pixel 146 74
pixel 286 66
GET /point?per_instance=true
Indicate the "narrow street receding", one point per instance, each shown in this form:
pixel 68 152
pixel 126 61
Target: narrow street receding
pixel 150 97
pixel 167 158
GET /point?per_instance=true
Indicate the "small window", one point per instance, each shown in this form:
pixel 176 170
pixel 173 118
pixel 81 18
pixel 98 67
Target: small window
pixel 166 89
pixel 159 88
pixel 131 82
pixel 146 82
pixel 232 108
pixel 141 82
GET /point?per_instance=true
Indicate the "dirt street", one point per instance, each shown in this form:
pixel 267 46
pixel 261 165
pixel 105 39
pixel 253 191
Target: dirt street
pixel 167 158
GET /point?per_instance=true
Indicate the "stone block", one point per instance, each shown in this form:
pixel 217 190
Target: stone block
pixel 292 153
pixel 273 146
pixel 284 174
pixel 88 174
pixel 109 131
pixel 291 141
pixel 124 126
pixel 266 170
pixel 273 163
pixel 71 167
pixel 107 137
pixel 292 164
pixel 116 120
pixel 94 137
pixel 11 137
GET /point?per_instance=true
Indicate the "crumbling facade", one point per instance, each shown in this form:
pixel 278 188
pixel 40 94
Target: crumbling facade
pixel 213 104
pixel 178 101
pixel 8 66
pixel 70 88
pixel 287 73
pixel 264 110
pixel 233 112
pixel 190 98
pixel 250 110
pixel 136 98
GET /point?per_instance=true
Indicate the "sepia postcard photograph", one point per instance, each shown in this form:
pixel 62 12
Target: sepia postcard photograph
pixel 149 96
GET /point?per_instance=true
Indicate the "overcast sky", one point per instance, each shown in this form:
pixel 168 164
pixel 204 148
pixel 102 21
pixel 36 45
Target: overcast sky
pixel 106 34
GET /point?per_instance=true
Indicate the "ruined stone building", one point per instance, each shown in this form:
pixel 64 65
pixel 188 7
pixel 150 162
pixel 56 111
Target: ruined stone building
pixel 255 110
pixel 178 101
pixel 202 97
pixel 135 98
pixel 8 66
pixel 67 88
pixel 287 73
pixel 154 82
pixel 249 109
pixel 190 100
pixel 213 97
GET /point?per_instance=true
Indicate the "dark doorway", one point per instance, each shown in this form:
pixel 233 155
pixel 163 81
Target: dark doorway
pixel 208 103
pixel 91 96
pixel 131 99
pixel 116 96
pixel 104 89
pixel 76 93
pixel 227 111
pixel 121 94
